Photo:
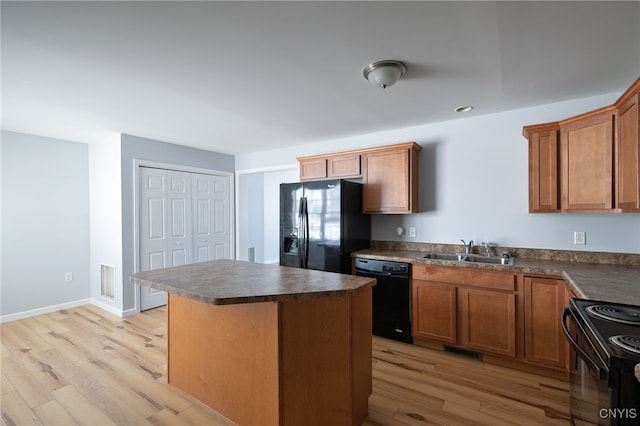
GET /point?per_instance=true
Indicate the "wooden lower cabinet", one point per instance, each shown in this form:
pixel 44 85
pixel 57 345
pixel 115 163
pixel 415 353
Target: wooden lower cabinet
pixel 434 311
pixel 467 308
pixel 510 319
pixel 488 321
pixel 545 343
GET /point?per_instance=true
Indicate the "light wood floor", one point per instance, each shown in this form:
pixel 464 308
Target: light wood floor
pixel 85 366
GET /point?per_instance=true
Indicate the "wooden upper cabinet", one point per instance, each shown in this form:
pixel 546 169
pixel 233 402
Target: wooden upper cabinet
pixel 329 167
pixel 627 151
pixel 543 167
pixel 389 175
pixel 340 166
pixel 593 159
pixel 390 178
pixel 313 169
pixel 586 152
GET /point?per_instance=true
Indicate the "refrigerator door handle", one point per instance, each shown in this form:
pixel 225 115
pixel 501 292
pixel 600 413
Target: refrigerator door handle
pixel 301 232
pixel 305 233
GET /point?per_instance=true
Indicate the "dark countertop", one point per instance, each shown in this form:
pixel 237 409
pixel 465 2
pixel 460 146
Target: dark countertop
pixel 597 281
pixel 226 282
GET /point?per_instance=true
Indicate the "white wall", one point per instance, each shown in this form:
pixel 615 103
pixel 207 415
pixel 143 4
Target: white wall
pixel 250 217
pixel 106 218
pixel 258 213
pixel 45 224
pixel 473 183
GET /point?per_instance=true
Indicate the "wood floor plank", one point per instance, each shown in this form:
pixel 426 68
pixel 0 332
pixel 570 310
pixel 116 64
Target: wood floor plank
pixel 112 407
pixel 70 372
pixel 112 370
pixel 42 371
pixel 28 339
pixel 166 417
pixel 5 385
pixel 53 414
pixel 125 392
pixel 16 412
pixel 81 409
pixel 24 382
pixel 195 415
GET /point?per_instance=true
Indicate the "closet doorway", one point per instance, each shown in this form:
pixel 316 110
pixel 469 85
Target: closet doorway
pixel 183 217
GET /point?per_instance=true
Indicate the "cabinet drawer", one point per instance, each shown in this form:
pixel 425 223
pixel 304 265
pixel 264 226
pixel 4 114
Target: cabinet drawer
pixel 466 277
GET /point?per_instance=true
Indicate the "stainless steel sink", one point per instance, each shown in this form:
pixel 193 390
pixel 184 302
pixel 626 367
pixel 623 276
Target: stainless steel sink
pixel 494 260
pixel 443 256
pixel 477 258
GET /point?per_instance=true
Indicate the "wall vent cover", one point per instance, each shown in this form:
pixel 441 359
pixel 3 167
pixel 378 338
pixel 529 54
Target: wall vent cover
pixel 107 282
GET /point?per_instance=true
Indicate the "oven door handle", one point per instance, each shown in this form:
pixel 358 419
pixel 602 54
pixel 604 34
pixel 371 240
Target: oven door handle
pixel 566 313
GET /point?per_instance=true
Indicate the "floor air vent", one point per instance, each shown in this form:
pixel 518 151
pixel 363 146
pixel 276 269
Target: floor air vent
pixel 107 282
pixel 470 354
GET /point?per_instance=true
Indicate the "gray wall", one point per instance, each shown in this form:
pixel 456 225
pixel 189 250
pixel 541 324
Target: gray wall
pixel 136 148
pixel 45 222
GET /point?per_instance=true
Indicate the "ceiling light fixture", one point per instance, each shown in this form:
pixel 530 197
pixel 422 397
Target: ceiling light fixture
pixel 384 73
pixel 463 108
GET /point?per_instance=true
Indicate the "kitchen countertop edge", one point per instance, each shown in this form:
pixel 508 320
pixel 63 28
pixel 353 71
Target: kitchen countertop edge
pixel 230 282
pixel 604 282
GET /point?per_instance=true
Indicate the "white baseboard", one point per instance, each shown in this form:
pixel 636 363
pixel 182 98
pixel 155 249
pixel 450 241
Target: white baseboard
pixel 44 310
pixel 48 309
pixel 106 307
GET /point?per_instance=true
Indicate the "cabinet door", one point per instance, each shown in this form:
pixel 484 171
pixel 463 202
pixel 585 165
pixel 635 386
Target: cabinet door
pixel 313 169
pixel 545 342
pixel 488 320
pixel 628 156
pixel 390 181
pixel 434 311
pixel 543 171
pixel 342 166
pixel 586 149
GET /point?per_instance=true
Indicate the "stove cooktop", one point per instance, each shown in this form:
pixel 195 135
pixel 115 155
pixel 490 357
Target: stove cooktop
pixel 617 313
pixel 615 325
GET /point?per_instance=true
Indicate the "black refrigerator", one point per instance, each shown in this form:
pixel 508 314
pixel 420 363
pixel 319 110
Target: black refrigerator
pixel 321 223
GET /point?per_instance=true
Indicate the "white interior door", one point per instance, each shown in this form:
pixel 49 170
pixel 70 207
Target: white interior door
pixel 184 218
pixel 165 226
pixel 211 217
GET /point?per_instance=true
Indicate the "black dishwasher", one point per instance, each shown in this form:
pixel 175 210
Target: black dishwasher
pixel 391 297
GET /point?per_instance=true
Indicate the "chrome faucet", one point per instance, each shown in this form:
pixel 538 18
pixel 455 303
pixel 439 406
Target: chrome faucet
pixel 467 247
pixel 487 248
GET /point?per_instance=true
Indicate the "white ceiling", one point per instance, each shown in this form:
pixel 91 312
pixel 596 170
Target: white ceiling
pixel 238 77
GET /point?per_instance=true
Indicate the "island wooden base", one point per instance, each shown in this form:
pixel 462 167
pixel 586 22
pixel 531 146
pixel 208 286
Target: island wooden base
pixel 294 362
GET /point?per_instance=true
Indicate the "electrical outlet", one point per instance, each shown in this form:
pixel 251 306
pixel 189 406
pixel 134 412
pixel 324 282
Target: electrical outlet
pixel 68 276
pixel 579 238
pixel 412 231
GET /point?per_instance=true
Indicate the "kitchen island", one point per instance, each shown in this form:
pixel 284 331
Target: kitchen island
pixel 266 344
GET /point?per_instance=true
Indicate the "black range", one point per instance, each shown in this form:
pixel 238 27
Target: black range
pixel 605 352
